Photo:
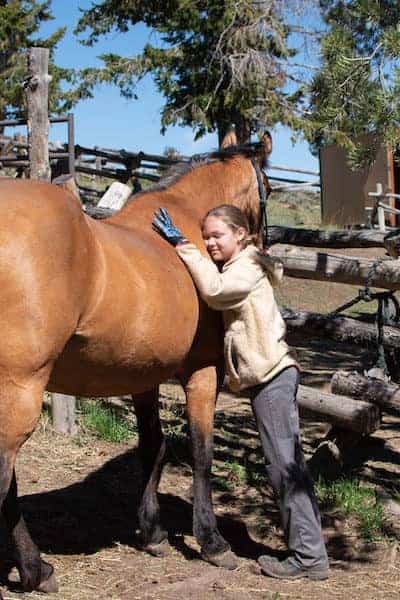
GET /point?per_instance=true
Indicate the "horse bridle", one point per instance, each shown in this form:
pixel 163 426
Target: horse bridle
pixel 263 229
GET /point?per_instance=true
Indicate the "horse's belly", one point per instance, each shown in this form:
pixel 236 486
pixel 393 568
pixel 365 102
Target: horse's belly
pixel 119 363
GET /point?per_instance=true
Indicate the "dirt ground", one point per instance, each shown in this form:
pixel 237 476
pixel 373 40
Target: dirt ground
pixel 79 497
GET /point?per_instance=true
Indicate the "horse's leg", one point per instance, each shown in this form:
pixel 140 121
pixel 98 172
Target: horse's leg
pixel 34 572
pixel 201 390
pixel 19 411
pixel 151 452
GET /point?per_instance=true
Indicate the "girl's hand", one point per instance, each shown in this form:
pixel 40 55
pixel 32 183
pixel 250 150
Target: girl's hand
pixel 163 225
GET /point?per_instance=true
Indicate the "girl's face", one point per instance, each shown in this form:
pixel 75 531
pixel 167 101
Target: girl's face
pixel 222 241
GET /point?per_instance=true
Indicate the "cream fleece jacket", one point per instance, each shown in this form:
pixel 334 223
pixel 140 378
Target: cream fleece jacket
pixel 254 347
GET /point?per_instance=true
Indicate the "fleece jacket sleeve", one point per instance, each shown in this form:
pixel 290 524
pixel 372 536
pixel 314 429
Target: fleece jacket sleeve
pixel 221 291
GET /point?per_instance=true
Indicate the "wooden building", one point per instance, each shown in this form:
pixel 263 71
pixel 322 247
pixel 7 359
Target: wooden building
pixel 344 192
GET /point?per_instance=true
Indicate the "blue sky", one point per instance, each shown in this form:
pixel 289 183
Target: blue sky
pixel 110 121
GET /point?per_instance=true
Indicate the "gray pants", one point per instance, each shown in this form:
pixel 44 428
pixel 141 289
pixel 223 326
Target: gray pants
pixel 275 410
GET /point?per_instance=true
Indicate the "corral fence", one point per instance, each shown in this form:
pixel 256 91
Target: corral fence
pixel 356 401
pixel 99 165
pixel 350 417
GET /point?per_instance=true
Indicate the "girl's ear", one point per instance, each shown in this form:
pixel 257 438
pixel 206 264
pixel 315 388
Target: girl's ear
pixel 241 233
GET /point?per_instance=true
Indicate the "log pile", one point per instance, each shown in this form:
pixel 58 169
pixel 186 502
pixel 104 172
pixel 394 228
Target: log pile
pixel 385 395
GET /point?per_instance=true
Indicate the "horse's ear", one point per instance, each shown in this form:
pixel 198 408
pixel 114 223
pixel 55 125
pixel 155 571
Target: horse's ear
pixel 230 139
pixel 266 141
pixel 266 148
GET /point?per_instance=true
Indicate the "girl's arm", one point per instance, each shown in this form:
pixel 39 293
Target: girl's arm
pixel 220 291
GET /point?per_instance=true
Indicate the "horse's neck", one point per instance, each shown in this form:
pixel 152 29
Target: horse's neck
pixel 210 185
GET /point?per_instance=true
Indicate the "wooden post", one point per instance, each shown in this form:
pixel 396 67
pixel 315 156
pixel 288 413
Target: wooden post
pixel 381 218
pixel 37 91
pixel 63 413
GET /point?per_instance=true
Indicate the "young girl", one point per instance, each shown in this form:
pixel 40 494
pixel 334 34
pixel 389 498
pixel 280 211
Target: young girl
pixel 238 281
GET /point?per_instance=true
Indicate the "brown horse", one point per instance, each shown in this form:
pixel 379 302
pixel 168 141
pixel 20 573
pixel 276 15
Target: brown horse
pixel 96 308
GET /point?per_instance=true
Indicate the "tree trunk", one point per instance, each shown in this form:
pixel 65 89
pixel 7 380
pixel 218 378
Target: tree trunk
pixel 364 238
pixel 382 273
pixel 343 329
pixel 382 394
pixel 242 128
pixel 346 413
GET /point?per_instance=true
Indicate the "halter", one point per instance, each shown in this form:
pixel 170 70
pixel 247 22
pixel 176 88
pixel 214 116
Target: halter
pixel 263 204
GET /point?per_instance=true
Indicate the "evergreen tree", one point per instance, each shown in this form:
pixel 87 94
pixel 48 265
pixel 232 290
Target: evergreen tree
pixel 20 21
pixel 357 89
pixel 216 63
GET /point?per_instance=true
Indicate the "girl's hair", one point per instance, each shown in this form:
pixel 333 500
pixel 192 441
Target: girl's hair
pixel 233 217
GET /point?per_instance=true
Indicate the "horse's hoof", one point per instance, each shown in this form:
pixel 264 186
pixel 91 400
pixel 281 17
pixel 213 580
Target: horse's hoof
pixel 161 549
pixel 226 560
pixel 49 586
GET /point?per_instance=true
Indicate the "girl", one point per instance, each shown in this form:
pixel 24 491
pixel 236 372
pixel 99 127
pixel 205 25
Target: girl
pixel 238 281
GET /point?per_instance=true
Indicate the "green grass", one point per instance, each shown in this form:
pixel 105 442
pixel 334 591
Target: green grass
pixel 231 474
pixel 104 422
pixel 350 498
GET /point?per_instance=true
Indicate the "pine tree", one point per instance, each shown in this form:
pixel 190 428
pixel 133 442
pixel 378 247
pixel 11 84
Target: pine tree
pixel 216 63
pixel 20 21
pixel 357 89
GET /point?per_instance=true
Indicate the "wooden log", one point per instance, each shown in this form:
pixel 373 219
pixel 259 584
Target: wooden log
pixel 346 413
pixel 392 243
pixel 364 238
pixel 68 183
pixel 343 329
pixel 386 395
pixel 37 92
pixel 119 174
pixel 319 266
pixel 98 213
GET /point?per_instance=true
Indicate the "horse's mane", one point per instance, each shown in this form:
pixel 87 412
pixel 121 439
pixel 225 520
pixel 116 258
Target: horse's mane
pixel 178 170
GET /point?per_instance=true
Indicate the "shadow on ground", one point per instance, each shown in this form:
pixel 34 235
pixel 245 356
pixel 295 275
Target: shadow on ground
pixel 100 511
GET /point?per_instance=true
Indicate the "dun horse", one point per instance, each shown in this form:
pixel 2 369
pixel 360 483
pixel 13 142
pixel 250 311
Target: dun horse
pixel 97 308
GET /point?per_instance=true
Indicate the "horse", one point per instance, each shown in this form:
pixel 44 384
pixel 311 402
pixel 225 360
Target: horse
pixel 105 307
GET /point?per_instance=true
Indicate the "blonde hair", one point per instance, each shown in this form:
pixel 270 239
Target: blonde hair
pixel 234 218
